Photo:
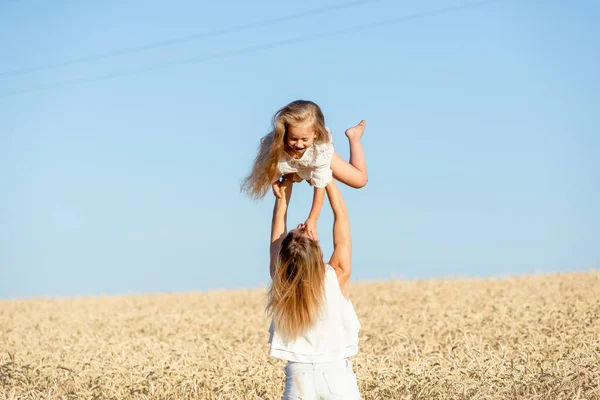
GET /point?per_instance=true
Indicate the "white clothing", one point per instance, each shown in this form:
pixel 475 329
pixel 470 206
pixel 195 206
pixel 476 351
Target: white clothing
pixel 334 335
pixel 331 381
pixel 314 164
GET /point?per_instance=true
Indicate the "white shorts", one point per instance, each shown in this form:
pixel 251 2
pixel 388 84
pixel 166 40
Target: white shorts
pixel 310 381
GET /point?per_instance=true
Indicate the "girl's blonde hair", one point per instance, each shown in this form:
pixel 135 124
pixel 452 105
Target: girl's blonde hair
pixel 296 294
pixel 298 113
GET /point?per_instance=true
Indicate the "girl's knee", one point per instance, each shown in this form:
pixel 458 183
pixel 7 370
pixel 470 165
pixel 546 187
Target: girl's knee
pixel 362 181
pixel 358 183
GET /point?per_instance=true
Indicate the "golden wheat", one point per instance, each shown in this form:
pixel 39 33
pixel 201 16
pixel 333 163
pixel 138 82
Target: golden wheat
pixel 531 337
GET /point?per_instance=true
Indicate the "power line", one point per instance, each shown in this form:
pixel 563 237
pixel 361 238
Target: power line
pixel 184 39
pixel 255 48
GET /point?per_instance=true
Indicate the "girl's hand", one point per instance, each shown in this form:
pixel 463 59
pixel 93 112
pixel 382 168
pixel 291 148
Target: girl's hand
pixel 311 228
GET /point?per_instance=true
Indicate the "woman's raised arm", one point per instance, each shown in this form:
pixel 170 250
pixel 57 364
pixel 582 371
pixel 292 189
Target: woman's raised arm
pixel 279 221
pixel 341 259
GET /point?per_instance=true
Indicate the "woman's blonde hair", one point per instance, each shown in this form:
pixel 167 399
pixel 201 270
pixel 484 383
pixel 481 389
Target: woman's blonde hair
pixel 298 113
pixel 296 294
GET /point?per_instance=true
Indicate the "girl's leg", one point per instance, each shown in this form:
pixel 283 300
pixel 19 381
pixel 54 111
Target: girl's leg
pixel 354 173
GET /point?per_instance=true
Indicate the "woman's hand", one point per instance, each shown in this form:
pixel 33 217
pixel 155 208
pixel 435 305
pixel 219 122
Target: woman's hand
pixel 276 186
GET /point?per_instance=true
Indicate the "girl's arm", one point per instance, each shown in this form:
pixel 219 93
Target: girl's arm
pixel 279 221
pixel 315 212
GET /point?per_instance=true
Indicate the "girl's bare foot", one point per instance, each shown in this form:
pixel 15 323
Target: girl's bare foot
pixel 357 131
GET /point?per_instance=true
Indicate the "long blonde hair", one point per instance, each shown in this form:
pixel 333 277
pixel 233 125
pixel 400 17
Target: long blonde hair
pixel 264 170
pixel 296 294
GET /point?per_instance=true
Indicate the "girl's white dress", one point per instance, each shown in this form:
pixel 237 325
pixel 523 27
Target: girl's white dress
pixel 315 163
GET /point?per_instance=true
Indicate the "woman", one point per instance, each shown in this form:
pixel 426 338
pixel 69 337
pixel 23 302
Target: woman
pixel 315 327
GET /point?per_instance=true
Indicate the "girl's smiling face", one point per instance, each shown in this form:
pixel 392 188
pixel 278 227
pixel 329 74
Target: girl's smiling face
pixel 300 138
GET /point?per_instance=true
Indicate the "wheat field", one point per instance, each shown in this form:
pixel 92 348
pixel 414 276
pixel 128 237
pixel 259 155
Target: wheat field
pixel 528 337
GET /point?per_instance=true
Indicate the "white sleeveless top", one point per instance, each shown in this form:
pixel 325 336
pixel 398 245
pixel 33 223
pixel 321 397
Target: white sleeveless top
pixel 333 337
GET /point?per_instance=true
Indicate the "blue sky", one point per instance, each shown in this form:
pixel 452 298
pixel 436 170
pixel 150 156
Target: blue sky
pixel 482 139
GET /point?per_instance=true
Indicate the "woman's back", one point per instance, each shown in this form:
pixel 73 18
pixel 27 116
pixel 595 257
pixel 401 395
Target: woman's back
pixel 334 335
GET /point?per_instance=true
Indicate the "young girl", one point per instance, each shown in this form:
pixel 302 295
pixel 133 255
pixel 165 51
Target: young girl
pixel 300 146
